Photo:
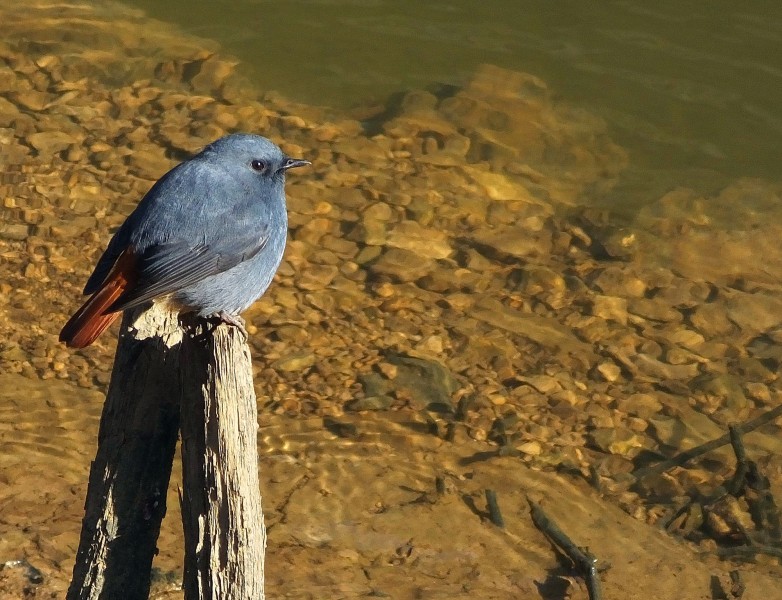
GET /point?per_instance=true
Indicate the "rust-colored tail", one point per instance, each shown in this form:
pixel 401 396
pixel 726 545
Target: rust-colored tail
pixel 94 317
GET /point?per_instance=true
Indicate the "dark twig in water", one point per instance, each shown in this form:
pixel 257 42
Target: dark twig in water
pixel 499 428
pixel 495 515
pixel 737 586
pixel 747 482
pixel 739 478
pixel 450 432
pixel 686 456
pixel 582 559
pixel 749 552
pixel 432 426
pixel 734 431
pixel 763 508
pixel 439 485
pixel 464 404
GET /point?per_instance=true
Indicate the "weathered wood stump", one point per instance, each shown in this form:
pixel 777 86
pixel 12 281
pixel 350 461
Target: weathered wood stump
pixel 126 495
pixel 208 374
pixel 225 537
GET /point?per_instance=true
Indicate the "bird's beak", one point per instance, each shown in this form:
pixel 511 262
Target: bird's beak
pixel 292 163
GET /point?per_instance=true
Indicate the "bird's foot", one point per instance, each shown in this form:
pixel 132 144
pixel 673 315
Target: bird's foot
pixel 234 320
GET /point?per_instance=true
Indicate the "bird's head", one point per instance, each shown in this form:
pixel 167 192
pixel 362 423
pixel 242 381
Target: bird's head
pixel 254 153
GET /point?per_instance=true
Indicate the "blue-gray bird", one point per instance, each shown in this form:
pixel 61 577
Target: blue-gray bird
pixel 208 238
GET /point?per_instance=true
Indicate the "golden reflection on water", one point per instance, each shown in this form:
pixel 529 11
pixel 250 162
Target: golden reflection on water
pixel 448 307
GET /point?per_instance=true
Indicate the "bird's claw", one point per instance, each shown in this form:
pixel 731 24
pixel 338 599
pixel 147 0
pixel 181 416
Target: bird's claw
pixel 236 321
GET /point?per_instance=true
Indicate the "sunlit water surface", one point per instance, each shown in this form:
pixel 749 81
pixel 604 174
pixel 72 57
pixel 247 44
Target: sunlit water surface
pixel 686 88
pixel 421 273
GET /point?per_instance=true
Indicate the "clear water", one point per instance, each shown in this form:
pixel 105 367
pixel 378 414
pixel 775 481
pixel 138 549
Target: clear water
pixel 589 355
pixel 692 90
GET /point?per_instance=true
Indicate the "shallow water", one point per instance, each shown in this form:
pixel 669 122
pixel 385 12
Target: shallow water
pixel 510 284
pixel 683 88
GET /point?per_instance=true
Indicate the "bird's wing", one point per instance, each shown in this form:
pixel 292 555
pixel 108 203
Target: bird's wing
pixel 166 268
pixel 194 201
pixel 162 269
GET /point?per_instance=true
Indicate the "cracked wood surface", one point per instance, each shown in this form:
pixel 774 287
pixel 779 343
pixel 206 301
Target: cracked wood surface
pixel 126 495
pixel 225 536
pixel 208 374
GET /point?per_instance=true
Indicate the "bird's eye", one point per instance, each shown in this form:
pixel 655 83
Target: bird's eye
pixel 257 165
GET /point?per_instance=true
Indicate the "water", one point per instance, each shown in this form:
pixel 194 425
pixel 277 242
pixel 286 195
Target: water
pixel 534 285
pixel 691 90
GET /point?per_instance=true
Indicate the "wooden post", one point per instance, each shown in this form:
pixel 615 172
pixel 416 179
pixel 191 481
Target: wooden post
pixel 126 494
pixel 208 374
pixel 225 538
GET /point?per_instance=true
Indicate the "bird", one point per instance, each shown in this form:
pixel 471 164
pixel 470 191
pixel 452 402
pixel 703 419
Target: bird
pixel 207 238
